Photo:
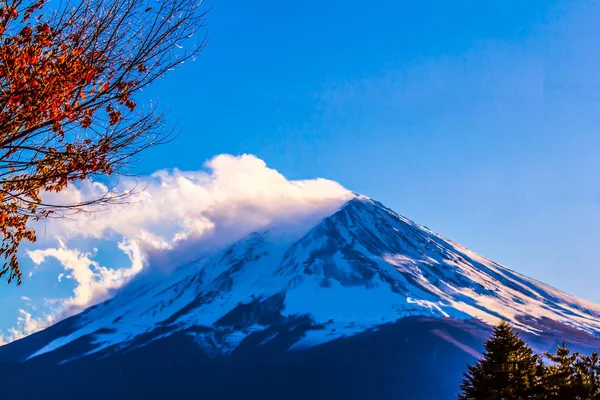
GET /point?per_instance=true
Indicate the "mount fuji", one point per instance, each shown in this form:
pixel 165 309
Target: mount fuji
pixel 363 304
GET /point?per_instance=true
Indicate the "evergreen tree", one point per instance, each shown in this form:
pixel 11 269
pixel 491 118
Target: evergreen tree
pixel 587 376
pixel 508 370
pixel 560 381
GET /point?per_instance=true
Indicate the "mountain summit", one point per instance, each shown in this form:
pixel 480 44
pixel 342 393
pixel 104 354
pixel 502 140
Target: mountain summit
pixel 362 273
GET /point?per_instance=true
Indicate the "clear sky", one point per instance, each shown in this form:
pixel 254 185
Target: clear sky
pixel 477 119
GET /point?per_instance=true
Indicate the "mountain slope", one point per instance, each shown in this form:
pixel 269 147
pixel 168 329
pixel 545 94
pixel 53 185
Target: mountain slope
pixel 356 275
pixel 358 268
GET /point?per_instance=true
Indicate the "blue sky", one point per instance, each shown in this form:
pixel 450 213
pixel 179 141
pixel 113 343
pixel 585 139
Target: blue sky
pixel 478 119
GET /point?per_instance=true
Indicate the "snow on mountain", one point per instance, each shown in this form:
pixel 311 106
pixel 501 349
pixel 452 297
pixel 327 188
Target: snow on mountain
pixel 359 268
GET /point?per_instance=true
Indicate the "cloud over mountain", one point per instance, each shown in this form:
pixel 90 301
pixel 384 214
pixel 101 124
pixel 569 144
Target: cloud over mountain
pixel 177 216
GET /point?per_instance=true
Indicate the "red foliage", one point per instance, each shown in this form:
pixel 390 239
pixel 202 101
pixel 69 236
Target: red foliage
pixel 66 84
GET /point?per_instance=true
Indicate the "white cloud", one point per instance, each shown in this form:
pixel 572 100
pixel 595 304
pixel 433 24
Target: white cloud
pixel 177 216
pixel 94 282
pixel 182 213
pixel 177 205
pixel 26 325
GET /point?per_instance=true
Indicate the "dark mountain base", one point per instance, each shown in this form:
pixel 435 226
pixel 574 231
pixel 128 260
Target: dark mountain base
pixel 414 358
pixel 406 360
